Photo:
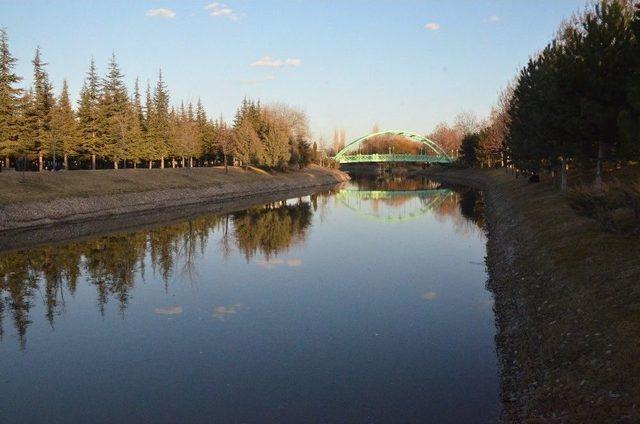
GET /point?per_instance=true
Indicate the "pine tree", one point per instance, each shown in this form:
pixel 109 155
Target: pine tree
pixel 88 114
pixel 150 151
pixel 41 105
pixel 137 142
pixel 275 141
pixel 114 114
pixel 159 125
pixel 205 135
pixel 9 101
pixel 223 138
pixel 28 129
pixel 64 127
pixel 247 145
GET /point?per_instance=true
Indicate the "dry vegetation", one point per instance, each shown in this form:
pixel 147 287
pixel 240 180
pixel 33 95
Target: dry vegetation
pixel 16 187
pixel 567 305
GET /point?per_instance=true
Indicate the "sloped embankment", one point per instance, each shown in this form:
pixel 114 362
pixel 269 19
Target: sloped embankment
pixel 131 198
pixel 567 304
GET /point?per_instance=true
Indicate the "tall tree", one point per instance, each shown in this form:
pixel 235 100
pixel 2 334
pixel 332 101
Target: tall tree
pixel 88 106
pixel 159 121
pixel 605 53
pixel 64 127
pixel 137 141
pixel 9 100
pixel 223 139
pixel 41 105
pixel 114 114
pixel 247 145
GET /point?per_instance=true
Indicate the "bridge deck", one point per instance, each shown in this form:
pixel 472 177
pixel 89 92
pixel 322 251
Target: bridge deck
pixel 382 158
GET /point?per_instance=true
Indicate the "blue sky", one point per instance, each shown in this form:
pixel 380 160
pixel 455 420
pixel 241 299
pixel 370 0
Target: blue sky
pixel 405 64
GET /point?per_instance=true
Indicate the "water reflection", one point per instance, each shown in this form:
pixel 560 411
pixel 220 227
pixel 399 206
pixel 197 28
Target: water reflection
pixel 312 309
pixel 114 264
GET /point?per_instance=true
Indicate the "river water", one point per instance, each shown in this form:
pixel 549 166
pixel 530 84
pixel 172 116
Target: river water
pixel 364 303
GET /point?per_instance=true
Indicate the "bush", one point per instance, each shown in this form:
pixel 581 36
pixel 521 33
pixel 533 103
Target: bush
pixel 609 205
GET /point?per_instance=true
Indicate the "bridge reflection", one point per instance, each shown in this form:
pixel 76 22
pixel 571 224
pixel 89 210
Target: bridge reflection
pixel 399 205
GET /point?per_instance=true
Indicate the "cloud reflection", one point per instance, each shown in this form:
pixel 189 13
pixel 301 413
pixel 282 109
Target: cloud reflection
pixel 171 310
pixel 271 263
pixel 430 295
pixel 222 313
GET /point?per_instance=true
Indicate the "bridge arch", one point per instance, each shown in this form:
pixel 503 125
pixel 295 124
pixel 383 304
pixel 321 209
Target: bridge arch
pixel 440 155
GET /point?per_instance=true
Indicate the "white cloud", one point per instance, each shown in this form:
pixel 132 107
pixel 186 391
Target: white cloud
pixel 493 19
pixel 432 26
pixel 161 13
pixel 220 10
pixel 270 62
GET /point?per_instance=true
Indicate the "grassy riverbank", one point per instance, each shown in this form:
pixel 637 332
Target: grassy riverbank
pixel 46 199
pixel 567 305
pixel 16 187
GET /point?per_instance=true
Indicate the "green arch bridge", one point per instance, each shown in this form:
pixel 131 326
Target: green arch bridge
pixel 349 153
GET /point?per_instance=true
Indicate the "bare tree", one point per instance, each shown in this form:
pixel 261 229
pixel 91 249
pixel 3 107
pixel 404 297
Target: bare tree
pixel 467 122
pixel 447 137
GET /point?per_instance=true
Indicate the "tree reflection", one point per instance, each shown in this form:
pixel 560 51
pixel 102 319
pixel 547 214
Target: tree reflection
pixel 112 264
pixel 272 228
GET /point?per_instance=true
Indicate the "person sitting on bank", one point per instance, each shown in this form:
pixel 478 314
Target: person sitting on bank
pixel 534 178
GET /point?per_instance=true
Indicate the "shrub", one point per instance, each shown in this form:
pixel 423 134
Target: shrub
pixel 602 203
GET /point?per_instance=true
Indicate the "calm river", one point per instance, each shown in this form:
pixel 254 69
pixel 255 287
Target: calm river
pixel 366 303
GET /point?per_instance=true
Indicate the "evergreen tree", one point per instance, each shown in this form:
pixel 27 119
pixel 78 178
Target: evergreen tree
pixel 247 145
pixel 205 131
pixel 9 101
pixel 137 141
pixel 629 118
pixel 224 140
pixel 150 151
pixel 41 105
pixel 114 115
pixel 276 143
pixel 28 129
pixel 64 128
pixel 88 106
pixel 159 123
pixel 605 55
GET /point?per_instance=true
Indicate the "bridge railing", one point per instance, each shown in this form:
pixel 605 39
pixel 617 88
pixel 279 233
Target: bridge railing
pixel 376 157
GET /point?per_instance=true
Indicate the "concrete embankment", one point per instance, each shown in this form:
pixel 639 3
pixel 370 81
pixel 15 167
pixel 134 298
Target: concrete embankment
pixel 75 215
pixel 567 304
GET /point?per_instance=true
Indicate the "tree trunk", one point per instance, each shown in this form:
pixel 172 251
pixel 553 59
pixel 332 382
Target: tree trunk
pixel 173 163
pixel 226 164
pixel 563 175
pixel 162 162
pixel 65 162
pixel 115 164
pixel 150 164
pixel 191 162
pixel 135 164
pixel 7 162
pixel 40 162
pixel 599 165
pixel 93 162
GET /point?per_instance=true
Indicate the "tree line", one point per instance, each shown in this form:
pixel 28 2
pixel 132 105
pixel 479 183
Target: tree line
pixel 576 103
pixel 111 127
